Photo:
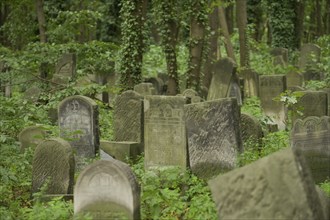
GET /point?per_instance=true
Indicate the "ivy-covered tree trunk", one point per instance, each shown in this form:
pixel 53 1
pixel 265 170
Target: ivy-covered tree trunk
pixel 229 13
pixel 41 20
pixel 243 39
pixel 132 43
pixel 326 17
pixel 254 16
pixel 299 23
pixel 4 11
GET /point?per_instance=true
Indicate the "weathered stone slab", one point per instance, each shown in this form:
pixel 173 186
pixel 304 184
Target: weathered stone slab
pixel 53 163
pixel 107 190
pixel 165 133
pixel 293 79
pixel 157 83
pixel 224 70
pixel 309 56
pixel 192 95
pixel 122 150
pixel 214 138
pixel 128 117
pixel 312 137
pixel 78 122
pixel 235 91
pixel 145 89
pixel 251 131
pixel 66 65
pixel 32 94
pixel 311 103
pixel 278 186
pixel 282 52
pixel 271 86
pixel 251 83
pixel 31 136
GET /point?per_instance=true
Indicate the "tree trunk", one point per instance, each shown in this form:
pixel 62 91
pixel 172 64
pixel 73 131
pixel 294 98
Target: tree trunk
pixel 224 30
pixel 41 20
pixel 254 12
pixel 241 24
pixel 327 18
pixel 229 12
pixel 299 23
pixel 319 30
pixel 4 11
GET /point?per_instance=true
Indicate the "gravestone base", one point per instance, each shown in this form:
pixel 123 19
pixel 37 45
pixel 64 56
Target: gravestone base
pixel 122 150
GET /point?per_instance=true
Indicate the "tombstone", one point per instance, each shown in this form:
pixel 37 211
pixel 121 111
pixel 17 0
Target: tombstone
pixel 122 150
pixel 251 131
pixel 309 56
pixel 107 190
pixel 271 86
pixel 192 95
pixel 311 103
pixel 79 123
pixel 65 69
pixel 31 136
pixel 157 83
pixel 53 164
pixel 251 82
pixel 235 91
pixel 33 93
pixel 224 70
pixel 128 117
pixel 280 52
pixel 145 89
pixel 214 138
pixel 105 156
pixel 278 186
pixel 164 131
pixel 327 90
pixel 293 79
pixel 312 137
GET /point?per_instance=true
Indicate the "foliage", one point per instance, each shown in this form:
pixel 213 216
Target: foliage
pixel 325 186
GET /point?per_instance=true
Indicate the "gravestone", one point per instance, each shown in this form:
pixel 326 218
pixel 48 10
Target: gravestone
pixel 312 103
pixel 251 131
pixel 251 83
pixel 107 189
pixel 145 89
pixel 122 150
pixel 31 136
pixel 214 138
pixel 33 93
pixel 271 86
pixel 235 91
pixel 164 131
pixel 192 95
pixel 309 56
pixel 79 123
pixel 278 186
pixel 157 83
pixel 224 71
pixel 53 164
pixel 293 79
pixel 327 90
pixel 128 117
pixel 65 69
pixel 312 137
pixel 280 56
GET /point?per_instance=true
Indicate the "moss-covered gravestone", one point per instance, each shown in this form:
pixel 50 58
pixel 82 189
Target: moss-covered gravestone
pixel 53 164
pixel 107 189
pixel 145 89
pixel 251 131
pixel 278 186
pixel 251 82
pixel 312 137
pixel 65 69
pixel 214 138
pixel 31 136
pixel 293 79
pixel 122 150
pixel 165 133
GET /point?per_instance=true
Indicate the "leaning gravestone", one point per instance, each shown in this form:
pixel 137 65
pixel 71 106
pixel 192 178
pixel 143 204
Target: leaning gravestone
pixel 251 131
pixel 128 117
pixel 293 79
pixel 278 186
pixel 214 138
pixel 224 70
pixel 53 164
pixel 312 137
pixel 251 82
pixel 78 122
pixel 65 69
pixel 165 133
pixel 271 86
pixel 107 189
pixel 145 89
pixel 311 103
pixel 31 136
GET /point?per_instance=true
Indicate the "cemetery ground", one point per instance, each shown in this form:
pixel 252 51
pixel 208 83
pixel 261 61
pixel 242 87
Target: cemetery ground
pixel 166 194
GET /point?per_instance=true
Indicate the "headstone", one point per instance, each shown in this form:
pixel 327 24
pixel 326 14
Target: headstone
pixel 214 138
pixel 312 103
pixel 145 89
pixel 32 94
pixel 31 136
pixel 271 86
pixel 278 186
pixel 105 156
pixel 312 75
pixel 224 71
pixel 65 69
pixel 251 131
pixel 165 133
pixel 128 117
pixel 107 190
pixel 251 83
pixel 293 79
pixel 312 137
pixel 53 164
pixel 157 83
pixel 192 95
pixel 309 56
pixel 78 122
pixel 122 150
pixel 282 52
pixel 327 90
pixel 235 91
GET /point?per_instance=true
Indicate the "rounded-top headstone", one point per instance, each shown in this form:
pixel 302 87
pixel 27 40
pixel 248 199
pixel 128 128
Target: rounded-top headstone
pixel 53 162
pixel 107 189
pixel 31 136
